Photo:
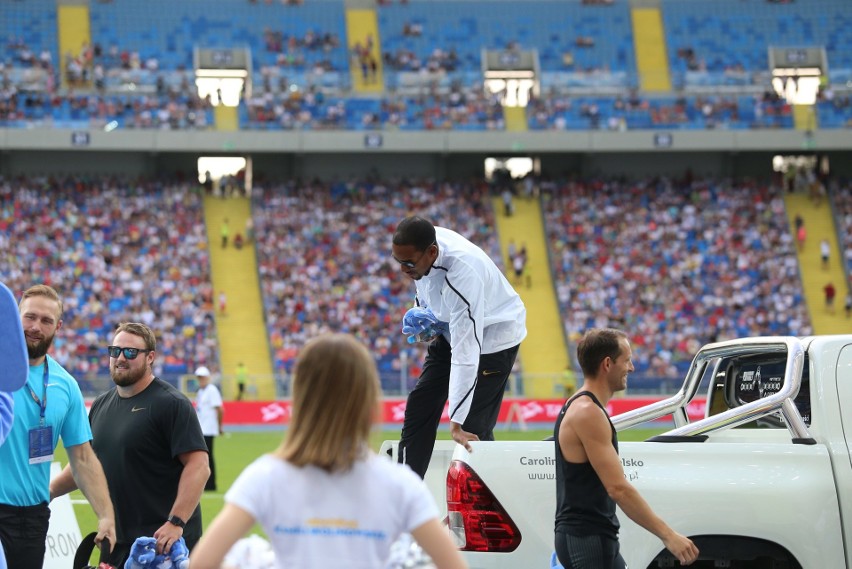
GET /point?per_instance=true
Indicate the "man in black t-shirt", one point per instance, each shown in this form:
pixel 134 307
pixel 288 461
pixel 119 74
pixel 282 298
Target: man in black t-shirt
pixel 148 439
pixel 589 472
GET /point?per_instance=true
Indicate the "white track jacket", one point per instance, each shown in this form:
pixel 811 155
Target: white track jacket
pixel 486 315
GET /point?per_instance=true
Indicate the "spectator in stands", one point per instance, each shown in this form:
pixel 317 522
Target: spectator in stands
pixel 326 453
pixel 223 303
pixel 830 292
pixel 825 253
pixel 508 207
pixel 519 261
pixel 801 232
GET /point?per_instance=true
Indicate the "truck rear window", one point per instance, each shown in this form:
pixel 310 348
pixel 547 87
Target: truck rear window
pixel 752 377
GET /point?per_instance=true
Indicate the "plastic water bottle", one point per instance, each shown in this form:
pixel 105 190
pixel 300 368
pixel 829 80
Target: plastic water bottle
pixel 427 335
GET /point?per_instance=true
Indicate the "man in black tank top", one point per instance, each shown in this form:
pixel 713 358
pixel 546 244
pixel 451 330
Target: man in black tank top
pixel 589 477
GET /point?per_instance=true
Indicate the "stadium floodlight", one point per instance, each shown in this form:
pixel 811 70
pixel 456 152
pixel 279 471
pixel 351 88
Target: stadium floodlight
pixel 517 74
pixel 221 73
pixel 796 72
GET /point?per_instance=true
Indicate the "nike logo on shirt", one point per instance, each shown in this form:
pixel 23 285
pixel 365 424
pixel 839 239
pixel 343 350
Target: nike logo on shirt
pixel 137 409
pixel 490 371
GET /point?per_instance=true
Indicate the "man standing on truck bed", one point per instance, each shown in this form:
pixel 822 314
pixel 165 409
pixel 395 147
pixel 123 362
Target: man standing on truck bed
pixel 589 476
pixel 478 321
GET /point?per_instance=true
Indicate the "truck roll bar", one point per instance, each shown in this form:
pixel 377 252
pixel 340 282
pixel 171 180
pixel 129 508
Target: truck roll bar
pixel 781 401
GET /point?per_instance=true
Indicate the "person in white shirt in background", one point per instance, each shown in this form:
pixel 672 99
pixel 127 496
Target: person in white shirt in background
pixel 323 497
pixel 208 405
pixel 483 322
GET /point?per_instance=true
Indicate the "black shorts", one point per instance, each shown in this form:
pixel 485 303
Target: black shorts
pixel 588 552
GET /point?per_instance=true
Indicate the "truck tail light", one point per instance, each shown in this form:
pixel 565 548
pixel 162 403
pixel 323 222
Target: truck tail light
pixel 475 517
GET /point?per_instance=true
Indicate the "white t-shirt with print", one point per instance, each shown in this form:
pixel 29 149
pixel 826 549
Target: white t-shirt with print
pixel 318 519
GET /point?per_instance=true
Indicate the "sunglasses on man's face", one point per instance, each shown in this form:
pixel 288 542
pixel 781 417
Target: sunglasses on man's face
pixel 129 353
pixel 412 264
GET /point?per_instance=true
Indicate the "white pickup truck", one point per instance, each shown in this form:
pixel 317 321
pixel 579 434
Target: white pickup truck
pixel 764 480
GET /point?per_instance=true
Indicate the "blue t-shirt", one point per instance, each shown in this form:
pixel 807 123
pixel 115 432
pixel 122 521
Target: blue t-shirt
pixel 26 484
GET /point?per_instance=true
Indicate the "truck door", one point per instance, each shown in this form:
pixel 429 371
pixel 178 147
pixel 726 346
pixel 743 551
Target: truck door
pixel 843 465
pixel 844 393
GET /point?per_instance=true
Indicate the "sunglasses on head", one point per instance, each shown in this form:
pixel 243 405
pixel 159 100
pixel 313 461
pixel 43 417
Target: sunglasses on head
pixel 129 353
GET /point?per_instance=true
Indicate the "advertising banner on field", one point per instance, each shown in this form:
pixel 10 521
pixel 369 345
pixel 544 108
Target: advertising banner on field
pixel 393 410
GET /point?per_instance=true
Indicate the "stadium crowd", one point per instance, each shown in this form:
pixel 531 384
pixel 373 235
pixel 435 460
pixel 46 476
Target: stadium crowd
pixel 676 263
pixel 460 108
pixel 117 250
pixel 324 260
pixel 169 105
pixel 170 111
pixel 559 110
pixel 155 90
pixel 842 198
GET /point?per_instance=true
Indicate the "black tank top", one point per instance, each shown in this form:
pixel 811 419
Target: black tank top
pixel 582 505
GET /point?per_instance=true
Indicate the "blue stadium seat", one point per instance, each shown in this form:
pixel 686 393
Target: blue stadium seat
pixel 730 33
pixel 32 22
pixel 170 30
pixel 450 25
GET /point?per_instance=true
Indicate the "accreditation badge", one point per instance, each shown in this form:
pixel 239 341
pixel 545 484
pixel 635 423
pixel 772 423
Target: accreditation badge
pixel 41 444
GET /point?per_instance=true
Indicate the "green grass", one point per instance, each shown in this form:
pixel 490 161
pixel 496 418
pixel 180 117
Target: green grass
pixel 236 450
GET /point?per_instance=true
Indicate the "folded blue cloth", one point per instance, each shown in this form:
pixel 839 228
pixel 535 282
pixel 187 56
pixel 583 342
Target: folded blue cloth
pixel 13 362
pixel 143 555
pixel 421 325
pixel 13 347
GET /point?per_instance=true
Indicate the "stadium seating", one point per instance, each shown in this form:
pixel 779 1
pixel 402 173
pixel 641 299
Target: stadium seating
pixel 836 113
pixel 550 26
pixel 170 31
pixel 174 111
pixel 676 264
pixel 324 262
pixel 143 50
pixel 466 109
pixel 27 29
pixel 685 112
pixel 115 250
pixel 729 35
pixel 322 247
pixel 842 199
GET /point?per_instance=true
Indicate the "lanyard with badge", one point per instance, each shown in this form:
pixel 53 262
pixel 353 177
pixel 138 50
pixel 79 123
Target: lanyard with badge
pixel 41 437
